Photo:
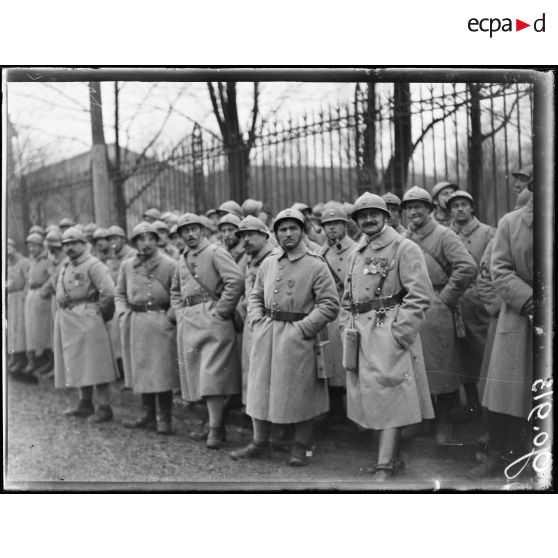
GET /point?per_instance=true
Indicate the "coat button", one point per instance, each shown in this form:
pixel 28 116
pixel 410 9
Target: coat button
pixel 275 291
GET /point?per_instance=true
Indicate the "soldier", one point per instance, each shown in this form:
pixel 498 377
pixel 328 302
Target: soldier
pixel 336 253
pixel 352 228
pixel 387 293
pixel 101 246
pixel 508 393
pixel 176 239
pixel 393 204
pixel 316 218
pixel 440 194
pixel 475 237
pixel 151 215
pixel 148 328
pixel 164 242
pixel 37 229
pixel 255 238
pixel 65 224
pixel 451 270
pixel 523 179
pixel 228 225
pixel 37 312
pixel 120 252
pixel 83 356
pixel 252 207
pixel 169 218
pixel 90 228
pixel 230 206
pixel 315 234
pixel 18 271
pixel 292 300
pixel 204 294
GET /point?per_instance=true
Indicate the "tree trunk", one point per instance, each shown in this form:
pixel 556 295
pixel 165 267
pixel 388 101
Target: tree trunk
pixel 117 178
pixel 238 159
pixel 474 144
pixel 395 176
pixel 103 199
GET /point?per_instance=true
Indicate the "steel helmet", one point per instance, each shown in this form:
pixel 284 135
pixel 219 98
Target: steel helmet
pixel 231 206
pixel 416 193
pixel 37 229
pixel 189 219
pixel 115 230
pixel 229 219
pixel 333 211
pixel 290 213
pixel 100 233
pixel 66 222
pixel 90 229
pixel 160 225
pixel 53 227
pixel 143 228
pixel 35 238
pixel 369 201
pixel 526 172
pixel 318 209
pixel 169 218
pixel 391 199
pixel 252 207
pixel 252 224
pixel 460 194
pixel 173 231
pixel 440 186
pixel 153 213
pixel 210 212
pixel 302 207
pixel 54 238
pixel 208 223
pixel 73 234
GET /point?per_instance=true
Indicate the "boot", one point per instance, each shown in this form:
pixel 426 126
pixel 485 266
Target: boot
pixel 384 473
pixel 147 418
pixel 254 450
pixel 45 362
pixel 298 455
pixel 164 413
pixel 31 363
pixel 17 362
pixel 216 437
pixel 102 414
pixel 83 409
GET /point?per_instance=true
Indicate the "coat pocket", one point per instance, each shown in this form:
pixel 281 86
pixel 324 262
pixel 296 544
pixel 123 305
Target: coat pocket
pixel 394 362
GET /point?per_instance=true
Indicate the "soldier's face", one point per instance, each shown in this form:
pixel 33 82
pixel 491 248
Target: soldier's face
pixel 74 249
pixel 520 183
pixel 163 237
pixel 443 196
pixel 289 234
pixel 54 250
pixel 191 235
pixel 230 240
pixel 395 213
pixel 461 211
pixel 102 244
pixel 116 242
pixel 371 221
pixel 34 249
pixel 417 213
pixel 253 242
pixel 335 230
pixel 146 244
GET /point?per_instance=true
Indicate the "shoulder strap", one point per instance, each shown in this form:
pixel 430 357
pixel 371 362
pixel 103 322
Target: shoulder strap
pixel 206 289
pixel 437 260
pixel 336 277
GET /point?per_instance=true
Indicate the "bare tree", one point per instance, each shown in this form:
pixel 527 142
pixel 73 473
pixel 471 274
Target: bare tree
pixel 237 145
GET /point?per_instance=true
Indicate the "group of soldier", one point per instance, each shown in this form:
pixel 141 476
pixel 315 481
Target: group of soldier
pixel 334 311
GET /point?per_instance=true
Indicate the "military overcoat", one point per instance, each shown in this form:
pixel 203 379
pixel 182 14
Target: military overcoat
pixel 283 386
pixel 510 375
pixel 15 301
pixel 148 338
pixel 38 331
pixel 337 257
pixel 208 357
pixel 390 388
pixel 83 353
pixel 252 265
pixel 451 270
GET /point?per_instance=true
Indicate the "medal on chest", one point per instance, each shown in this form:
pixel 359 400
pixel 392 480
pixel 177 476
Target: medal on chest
pixel 78 279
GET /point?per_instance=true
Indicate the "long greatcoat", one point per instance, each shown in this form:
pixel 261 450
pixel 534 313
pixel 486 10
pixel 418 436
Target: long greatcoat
pixel 390 388
pixel 283 386
pixel 15 302
pixel 510 375
pixel 48 290
pixel 337 257
pixel 148 339
pixel 451 270
pixel 252 265
pixel 208 357
pixel 475 237
pixel 38 336
pixel 82 350
pixel 113 263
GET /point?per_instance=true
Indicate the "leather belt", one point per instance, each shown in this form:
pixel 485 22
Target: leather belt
pixel 77 302
pixel 281 316
pixel 148 307
pixel 35 287
pixel 192 300
pixel 385 302
pixel 438 288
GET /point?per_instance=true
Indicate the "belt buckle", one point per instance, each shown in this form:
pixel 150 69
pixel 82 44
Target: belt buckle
pixel 273 313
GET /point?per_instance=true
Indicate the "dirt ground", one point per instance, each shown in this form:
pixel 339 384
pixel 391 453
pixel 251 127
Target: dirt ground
pixel 46 451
